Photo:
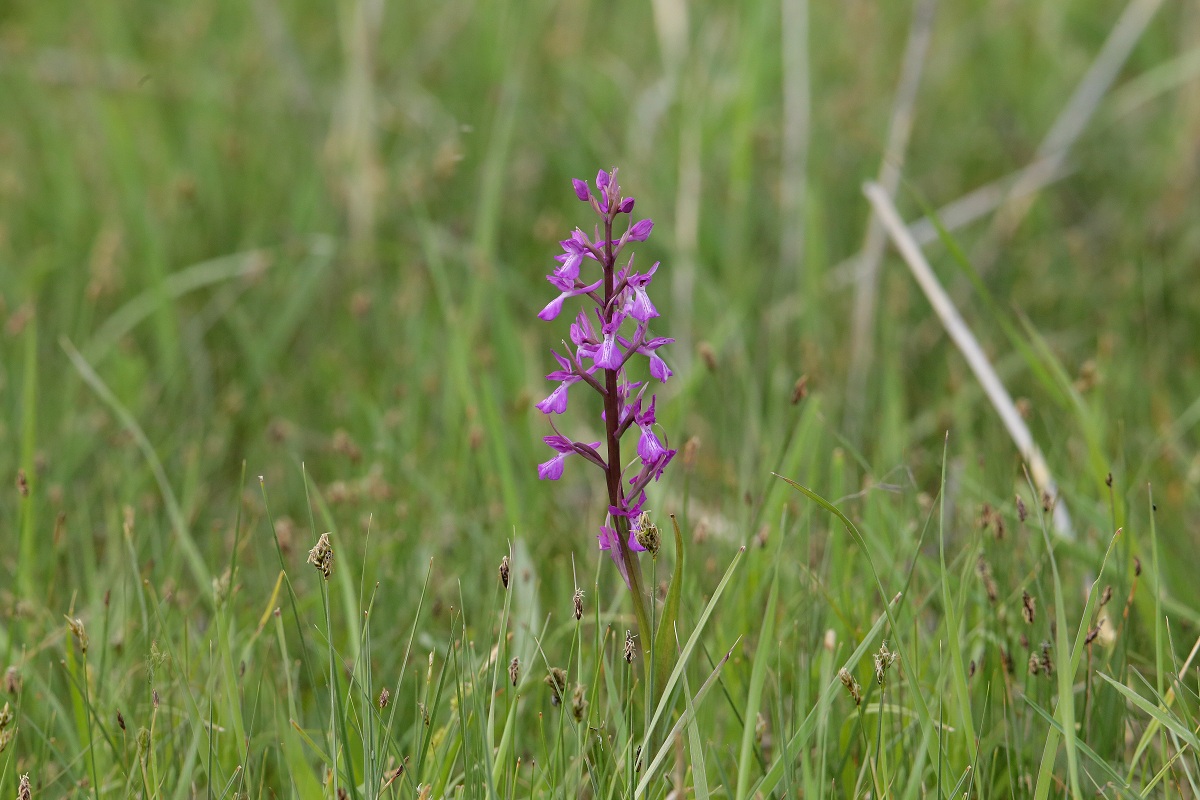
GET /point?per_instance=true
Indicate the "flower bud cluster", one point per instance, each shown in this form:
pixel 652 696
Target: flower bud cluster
pixel 608 333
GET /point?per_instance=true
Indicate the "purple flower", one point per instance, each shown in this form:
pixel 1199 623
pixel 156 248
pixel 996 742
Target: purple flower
pixel 602 182
pixel 553 308
pixel 610 541
pixel 556 403
pixel 608 355
pixel 658 368
pixel 641 308
pixel 575 249
pixel 649 448
pixel 552 470
pixel 596 356
pixel 640 231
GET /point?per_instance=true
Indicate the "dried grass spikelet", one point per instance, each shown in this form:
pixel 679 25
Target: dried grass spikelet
pixel 851 685
pixel 24 792
pixel 505 571
pixel 579 703
pixel 514 670
pixel 12 680
pixel 557 681
pixel 321 556
pixel 630 650
pixel 75 626
pixel 984 571
pixel 647 534
pixel 577 602
pixel 884 659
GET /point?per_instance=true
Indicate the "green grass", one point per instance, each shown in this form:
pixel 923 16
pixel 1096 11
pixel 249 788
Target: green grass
pixel 272 269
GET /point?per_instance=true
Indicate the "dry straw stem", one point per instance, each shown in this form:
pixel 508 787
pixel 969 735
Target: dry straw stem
pixel 969 347
pixel 1069 126
pixel 899 129
pixel 1013 193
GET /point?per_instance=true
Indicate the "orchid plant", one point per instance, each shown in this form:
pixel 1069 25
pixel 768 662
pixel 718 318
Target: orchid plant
pixel 611 329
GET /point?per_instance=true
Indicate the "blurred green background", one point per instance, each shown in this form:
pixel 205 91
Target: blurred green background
pixel 287 232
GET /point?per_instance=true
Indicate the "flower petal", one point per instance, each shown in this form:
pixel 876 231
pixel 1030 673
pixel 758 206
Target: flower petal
pixel 581 189
pixel 552 470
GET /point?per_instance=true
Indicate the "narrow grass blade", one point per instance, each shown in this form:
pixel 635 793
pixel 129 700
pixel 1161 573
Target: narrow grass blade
pixel 800 738
pixel 191 553
pixel 758 677
pixel 665 635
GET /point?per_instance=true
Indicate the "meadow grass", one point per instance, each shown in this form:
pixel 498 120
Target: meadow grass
pixel 271 270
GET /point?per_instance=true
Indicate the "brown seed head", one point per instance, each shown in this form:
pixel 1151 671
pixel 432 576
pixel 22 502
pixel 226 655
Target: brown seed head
pixel 12 680
pixel 1093 633
pixel 6 717
pixel 984 571
pixel 629 648
pixel 24 792
pixel 690 448
pixel 75 626
pixel 22 483
pixel 579 703
pixel 851 685
pixel 557 681
pixel 647 534
pixel 1022 511
pixel 577 601
pixel 800 390
pixel 1047 662
pixel 321 556
pixel 385 697
pixel 1106 595
pixel 1137 567
pixel 505 571
pixel 514 670
pixel 883 661
pixel 1028 607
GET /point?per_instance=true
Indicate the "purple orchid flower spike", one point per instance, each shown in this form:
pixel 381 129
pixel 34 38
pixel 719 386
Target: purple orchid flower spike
pixel 611 328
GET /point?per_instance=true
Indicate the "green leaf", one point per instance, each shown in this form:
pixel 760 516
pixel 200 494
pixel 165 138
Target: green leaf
pixel 665 636
pixel 758 677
